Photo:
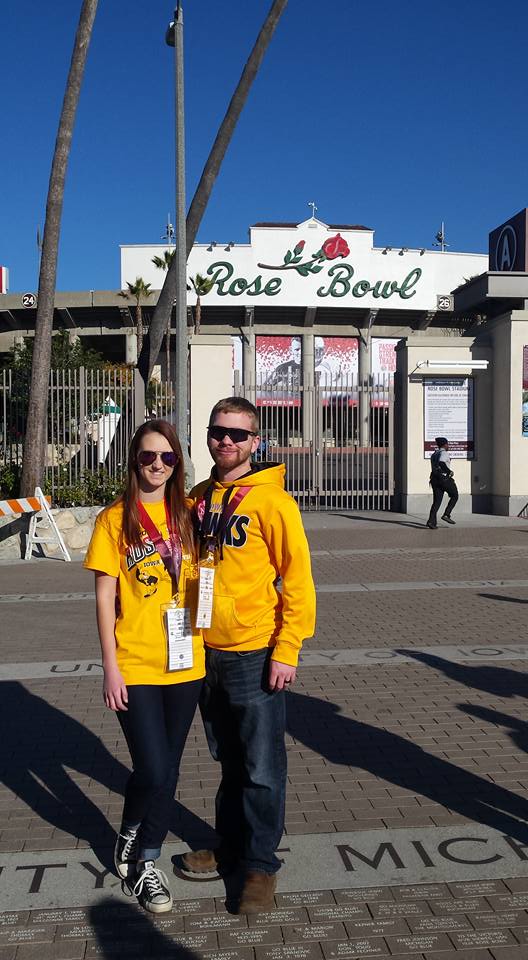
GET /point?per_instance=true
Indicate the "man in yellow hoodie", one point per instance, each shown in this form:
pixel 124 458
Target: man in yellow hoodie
pixel 252 645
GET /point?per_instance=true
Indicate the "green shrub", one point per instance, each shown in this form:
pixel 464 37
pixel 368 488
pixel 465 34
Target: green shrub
pixel 91 488
pixel 9 480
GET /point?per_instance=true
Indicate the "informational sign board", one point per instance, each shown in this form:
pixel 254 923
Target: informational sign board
pixel 525 393
pixel 448 412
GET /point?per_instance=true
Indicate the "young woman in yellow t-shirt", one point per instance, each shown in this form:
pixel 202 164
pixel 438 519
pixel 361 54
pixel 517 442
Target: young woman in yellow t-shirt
pixel 143 554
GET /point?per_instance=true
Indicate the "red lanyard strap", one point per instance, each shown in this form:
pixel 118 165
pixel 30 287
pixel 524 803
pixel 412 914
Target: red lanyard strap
pixel 228 510
pixel 170 551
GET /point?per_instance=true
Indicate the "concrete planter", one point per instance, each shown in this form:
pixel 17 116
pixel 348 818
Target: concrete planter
pixel 75 524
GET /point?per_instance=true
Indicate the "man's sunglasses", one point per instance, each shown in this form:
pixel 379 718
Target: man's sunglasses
pixel 236 434
pixel 147 457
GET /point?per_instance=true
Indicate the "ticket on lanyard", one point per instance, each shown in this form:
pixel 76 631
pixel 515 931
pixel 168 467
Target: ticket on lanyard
pixel 177 623
pixel 205 597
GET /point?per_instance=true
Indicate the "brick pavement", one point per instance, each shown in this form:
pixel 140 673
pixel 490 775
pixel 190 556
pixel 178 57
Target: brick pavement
pixel 405 830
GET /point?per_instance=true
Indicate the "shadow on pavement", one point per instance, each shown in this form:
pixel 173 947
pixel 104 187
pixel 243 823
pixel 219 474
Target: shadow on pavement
pixel 517 728
pixel 398 523
pixel 126 931
pixel 319 725
pixel 38 742
pixel 500 681
pixel 497 596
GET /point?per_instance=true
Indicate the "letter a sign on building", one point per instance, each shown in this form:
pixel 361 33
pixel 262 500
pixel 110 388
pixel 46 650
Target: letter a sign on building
pixel 508 247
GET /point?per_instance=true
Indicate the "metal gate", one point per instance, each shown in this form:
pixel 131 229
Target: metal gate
pixel 337 441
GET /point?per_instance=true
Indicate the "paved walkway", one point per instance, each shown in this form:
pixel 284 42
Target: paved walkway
pixel 408 770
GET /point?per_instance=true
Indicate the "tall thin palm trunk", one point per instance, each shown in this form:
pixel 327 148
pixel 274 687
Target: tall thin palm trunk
pixel 36 432
pixel 152 342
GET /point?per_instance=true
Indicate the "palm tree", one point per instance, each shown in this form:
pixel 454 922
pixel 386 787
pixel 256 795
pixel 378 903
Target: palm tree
pixel 137 291
pixel 163 263
pixel 204 189
pixel 202 286
pixel 35 441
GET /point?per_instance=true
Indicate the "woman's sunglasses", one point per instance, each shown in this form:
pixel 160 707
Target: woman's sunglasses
pixel 146 457
pixel 236 434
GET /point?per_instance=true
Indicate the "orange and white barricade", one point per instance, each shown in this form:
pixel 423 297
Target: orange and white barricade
pixel 41 520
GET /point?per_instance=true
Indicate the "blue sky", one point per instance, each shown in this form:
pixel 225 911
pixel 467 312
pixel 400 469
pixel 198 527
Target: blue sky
pixel 395 116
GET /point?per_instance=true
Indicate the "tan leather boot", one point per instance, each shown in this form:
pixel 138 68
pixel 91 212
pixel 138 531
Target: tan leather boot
pixel 257 892
pixel 207 861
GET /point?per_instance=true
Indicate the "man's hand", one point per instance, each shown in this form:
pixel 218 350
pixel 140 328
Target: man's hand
pixel 281 675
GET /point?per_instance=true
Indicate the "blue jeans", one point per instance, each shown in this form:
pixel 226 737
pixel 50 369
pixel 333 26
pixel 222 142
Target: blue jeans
pixel 245 727
pixel 155 725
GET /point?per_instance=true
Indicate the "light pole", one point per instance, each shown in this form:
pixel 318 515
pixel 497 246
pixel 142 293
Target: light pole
pixel 174 38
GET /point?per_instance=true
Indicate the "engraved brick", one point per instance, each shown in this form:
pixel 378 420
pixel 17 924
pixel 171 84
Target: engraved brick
pixel 422 944
pixel 376 928
pixel 416 908
pixel 516 901
pixel 110 948
pixel 83 931
pixel 442 908
pixel 308 898
pixel 438 924
pixel 52 951
pixel 369 947
pixel 60 916
pixel 282 915
pixel 314 931
pixel 342 911
pixel 30 934
pixel 213 921
pixel 185 907
pixel 422 891
pixel 234 954
pixel 477 888
pixel 254 937
pixel 198 941
pixel 14 918
pixel 487 921
pixel 483 938
pixel 289 951
pixel 364 894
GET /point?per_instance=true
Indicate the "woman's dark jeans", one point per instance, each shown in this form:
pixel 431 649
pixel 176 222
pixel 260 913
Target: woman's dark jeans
pixel 245 727
pixel 156 726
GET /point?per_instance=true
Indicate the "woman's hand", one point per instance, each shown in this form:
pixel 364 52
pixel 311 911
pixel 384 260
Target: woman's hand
pixel 115 693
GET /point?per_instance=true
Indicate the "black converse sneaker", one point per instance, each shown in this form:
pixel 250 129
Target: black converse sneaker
pixel 125 854
pixel 151 889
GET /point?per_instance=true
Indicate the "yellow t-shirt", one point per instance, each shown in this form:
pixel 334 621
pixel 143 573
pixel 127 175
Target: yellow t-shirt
pixel 143 584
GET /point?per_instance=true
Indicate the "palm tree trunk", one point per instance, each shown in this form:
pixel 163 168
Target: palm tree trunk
pixel 198 315
pixel 152 343
pixel 139 327
pixel 36 432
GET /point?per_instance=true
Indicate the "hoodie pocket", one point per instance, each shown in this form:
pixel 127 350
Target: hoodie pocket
pixel 226 620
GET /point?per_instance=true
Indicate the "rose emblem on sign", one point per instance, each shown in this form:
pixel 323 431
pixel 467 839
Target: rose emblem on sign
pixel 331 249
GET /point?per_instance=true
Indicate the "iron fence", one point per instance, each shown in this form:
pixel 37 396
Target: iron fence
pixel 92 415
pixel 337 440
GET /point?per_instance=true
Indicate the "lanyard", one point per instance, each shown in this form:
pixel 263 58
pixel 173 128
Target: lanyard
pixel 228 509
pixel 169 550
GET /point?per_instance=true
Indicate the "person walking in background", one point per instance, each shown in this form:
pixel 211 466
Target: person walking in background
pixel 441 481
pixel 143 554
pixel 254 529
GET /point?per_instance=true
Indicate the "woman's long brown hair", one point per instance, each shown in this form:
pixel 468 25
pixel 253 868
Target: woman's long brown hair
pixel 178 512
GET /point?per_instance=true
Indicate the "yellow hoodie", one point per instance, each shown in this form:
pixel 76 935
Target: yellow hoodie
pixel 264 540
